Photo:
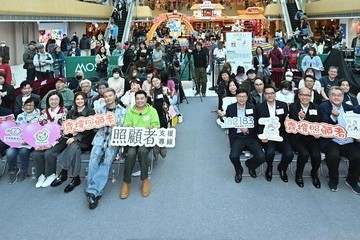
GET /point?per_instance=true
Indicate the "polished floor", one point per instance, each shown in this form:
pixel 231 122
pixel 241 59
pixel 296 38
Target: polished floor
pixel 193 196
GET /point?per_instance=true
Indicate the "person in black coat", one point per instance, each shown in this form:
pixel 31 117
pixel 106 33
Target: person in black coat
pixel 7 92
pixel 26 92
pixel 241 138
pixel 5 115
pixel 306 146
pixel 332 112
pixel 274 108
pixel 309 82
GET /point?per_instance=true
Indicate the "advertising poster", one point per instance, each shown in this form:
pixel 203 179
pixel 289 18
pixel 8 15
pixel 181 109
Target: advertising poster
pixel 238 47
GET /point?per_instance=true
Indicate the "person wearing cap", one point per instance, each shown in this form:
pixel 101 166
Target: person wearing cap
pixel 74 51
pixel 28 58
pixel 43 64
pixel 4 52
pixel 67 94
pixel 73 84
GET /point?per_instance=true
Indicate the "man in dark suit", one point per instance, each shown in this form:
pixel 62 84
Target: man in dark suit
pixel 241 138
pixel 26 92
pixel 332 111
pixel 309 82
pixel 273 108
pixel 306 146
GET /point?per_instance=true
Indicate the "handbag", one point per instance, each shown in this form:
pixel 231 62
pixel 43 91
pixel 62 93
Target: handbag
pixel 102 66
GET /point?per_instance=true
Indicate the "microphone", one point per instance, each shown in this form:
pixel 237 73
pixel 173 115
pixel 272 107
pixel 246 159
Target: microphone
pixel 140 114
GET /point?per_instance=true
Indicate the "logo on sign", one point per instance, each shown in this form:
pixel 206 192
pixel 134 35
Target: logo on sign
pixel 42 136
pixel 89 67
pixel 253 10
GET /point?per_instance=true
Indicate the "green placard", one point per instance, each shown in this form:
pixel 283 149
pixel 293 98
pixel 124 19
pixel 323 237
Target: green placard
pixel 87 65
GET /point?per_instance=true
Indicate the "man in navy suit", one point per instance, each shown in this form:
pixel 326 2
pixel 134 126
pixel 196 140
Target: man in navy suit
pixel 274 108
pixel 332 111
pixel 306 146
pixel 241 138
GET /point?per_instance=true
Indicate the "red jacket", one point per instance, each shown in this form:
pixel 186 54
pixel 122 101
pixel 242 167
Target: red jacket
pixel 6 68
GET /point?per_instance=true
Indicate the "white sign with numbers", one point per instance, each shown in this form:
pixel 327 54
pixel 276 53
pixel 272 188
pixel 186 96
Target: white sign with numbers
pixel 238 122
pixel 128 136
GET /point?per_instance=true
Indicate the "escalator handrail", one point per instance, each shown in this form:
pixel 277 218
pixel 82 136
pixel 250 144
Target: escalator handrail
pixel 128 22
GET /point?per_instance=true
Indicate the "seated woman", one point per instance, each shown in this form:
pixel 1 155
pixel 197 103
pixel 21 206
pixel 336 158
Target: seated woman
pixel 229 97
pixel 30 115
pixel 45 156
pixel 160 101
pixel 349 98
pixel 285 93
pixel 128 100
pixel 223 86
pixel 170 85
pixel 76 142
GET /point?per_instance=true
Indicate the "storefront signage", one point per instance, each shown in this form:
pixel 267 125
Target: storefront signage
pixel 253 10
pixel 207 5
pixel 87 65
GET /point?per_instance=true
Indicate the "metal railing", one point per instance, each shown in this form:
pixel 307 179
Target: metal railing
pixel 128 22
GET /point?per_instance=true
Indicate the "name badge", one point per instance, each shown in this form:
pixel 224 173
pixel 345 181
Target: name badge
pixel 313 112
pixel 160 96
pixel 279 111
pixel 1 87
pixel 249 111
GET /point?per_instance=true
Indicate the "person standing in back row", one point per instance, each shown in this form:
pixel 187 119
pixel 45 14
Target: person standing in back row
pixel 201 61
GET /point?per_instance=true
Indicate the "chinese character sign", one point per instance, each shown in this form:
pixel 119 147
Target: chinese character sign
pixel 237 122
pixel 352 125
pixel 87 123
pixel 316 129
pixel 271 129
pixel 127 136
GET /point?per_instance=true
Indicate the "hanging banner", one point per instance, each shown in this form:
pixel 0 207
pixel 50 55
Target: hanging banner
pixel 239 47
pixel 271 129
pixel 87 123
pixel 128 136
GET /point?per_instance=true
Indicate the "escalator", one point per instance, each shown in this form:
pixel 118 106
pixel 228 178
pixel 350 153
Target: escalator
pixel 292 9
pixel 120 23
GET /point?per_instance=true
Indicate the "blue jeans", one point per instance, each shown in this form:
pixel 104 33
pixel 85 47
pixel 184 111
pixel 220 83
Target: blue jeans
pixel 174 102
pixel 24 156
pixel 98 169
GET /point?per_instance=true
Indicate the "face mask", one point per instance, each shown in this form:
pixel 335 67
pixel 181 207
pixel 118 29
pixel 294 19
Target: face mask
pixel 116 75
pixel 293 49
pixel 288 78
pixel 78 77
pixel 3 45
pixel 134 74
pixel 285 92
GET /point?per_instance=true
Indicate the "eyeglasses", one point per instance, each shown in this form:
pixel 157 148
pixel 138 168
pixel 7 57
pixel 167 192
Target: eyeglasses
pixel 336 95
pixel 305 95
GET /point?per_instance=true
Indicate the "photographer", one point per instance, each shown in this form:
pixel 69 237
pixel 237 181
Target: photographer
pixel 219 55
pixel 42 62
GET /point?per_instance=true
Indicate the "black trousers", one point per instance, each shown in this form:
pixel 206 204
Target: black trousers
pixel 286 152
pixel 253 145
pixel 30 74
pixel 307 147
pixel 333 153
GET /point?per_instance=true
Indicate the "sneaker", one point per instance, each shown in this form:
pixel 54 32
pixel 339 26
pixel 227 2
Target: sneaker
pixel 180 118
pixel 203 95
pixel 22 175
pixel 354 187
pixel 40 181
pixel 197 93
pixel 48 180
pixel 333 187
pixel 136 174
pixel 163 152
pixel 13 176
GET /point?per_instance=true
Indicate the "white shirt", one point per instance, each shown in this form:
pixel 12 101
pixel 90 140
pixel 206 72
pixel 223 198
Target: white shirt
pixel 220 53
pixel 272 110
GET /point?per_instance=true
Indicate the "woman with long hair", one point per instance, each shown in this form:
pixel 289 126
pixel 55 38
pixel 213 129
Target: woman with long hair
pixel 102 62
pixel 69 158
pixel 313 61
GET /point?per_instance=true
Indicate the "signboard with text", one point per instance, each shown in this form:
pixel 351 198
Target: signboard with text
pixel 239 49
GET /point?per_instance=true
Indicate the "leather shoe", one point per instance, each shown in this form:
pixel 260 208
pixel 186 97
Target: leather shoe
pixel 93 201
pixel 238 178
pixel 252 172
pixel 268 174
pixel 299 180
pixel 59 180
pixel 316 181
pixel 124 191
pixel 146 188
pixel 74 183
pixel 283 175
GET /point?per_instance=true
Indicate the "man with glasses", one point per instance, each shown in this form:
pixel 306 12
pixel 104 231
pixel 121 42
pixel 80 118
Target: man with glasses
pixel 306 146
pixel 309 82
pixel 241 138
pixel 274 108
pixel 332 111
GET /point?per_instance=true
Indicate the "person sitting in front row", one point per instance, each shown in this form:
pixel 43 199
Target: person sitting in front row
pixel 141 115
pixel 241 138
